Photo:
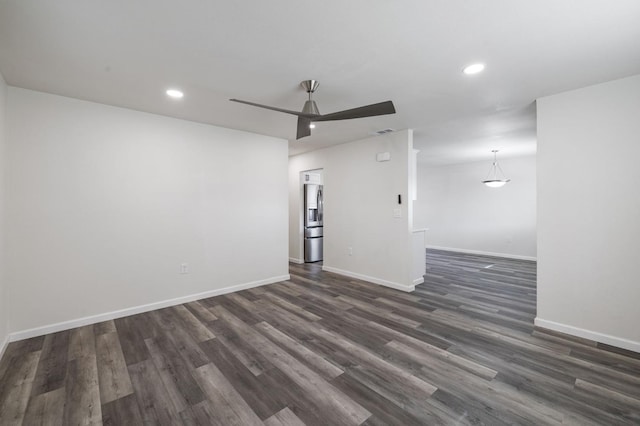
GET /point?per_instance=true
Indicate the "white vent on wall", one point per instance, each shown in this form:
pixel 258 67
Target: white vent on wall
pixel 382 132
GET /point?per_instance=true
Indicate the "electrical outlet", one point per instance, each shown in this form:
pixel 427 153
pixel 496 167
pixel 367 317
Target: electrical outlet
pixel 350 251
pixel 184 268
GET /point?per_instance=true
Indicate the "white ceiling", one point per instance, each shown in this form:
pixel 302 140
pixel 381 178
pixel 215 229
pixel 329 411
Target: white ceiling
pixel 127 53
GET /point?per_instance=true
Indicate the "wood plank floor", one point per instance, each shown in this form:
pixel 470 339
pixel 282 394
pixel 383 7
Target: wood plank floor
pixel 322 349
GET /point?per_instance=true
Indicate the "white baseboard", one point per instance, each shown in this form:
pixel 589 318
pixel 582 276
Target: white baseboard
pixel 485 253
pixel 66 325
pixel 295 260
pixel 418 281
pixel 3 346
pixel 374 280
pixel 587 334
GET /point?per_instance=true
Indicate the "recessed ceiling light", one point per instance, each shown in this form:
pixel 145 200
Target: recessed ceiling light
pixel 473 69
pixel 175 93
pixel 312 126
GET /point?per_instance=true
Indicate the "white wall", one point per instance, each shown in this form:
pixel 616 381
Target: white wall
pixel 104 204
pixel 589 212
pixel 360 195
pixel 311 177
pixel 463 214
pixel 4 315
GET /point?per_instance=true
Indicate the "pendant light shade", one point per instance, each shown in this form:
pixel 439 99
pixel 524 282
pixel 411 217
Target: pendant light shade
pixel 495 178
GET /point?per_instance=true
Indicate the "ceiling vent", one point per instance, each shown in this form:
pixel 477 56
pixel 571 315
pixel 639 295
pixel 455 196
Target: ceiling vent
pixel 383 131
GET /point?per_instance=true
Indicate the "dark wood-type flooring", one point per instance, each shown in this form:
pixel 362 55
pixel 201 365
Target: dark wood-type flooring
pixel 322 349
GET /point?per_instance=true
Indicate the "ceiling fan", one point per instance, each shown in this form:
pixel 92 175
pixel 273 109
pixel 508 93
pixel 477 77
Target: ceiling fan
pixel 310 112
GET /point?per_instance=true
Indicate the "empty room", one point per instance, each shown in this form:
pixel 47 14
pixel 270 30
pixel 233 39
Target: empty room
pixel 319 213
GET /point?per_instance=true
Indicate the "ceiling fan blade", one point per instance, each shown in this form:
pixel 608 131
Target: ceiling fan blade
pixel 372 110
pixel 303 127
pixel 286 111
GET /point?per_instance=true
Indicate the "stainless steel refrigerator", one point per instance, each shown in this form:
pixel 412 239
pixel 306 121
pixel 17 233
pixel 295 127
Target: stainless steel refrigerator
pixel 313 219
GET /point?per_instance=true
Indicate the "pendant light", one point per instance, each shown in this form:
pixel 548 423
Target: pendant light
pixel 495 178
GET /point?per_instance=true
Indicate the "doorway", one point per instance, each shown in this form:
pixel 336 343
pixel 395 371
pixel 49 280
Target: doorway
pixel 312 215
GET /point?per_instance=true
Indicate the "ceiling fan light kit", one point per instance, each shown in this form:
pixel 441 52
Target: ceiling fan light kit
pixel 496 177
pixel 310 112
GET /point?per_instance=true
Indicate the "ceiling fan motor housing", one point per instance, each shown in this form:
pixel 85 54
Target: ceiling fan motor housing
pixel 310 107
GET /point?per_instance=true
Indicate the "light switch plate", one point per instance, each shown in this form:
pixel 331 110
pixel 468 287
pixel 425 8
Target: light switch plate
pixel 383 156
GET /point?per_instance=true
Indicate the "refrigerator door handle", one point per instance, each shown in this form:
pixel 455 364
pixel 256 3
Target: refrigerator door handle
pixel 320 205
